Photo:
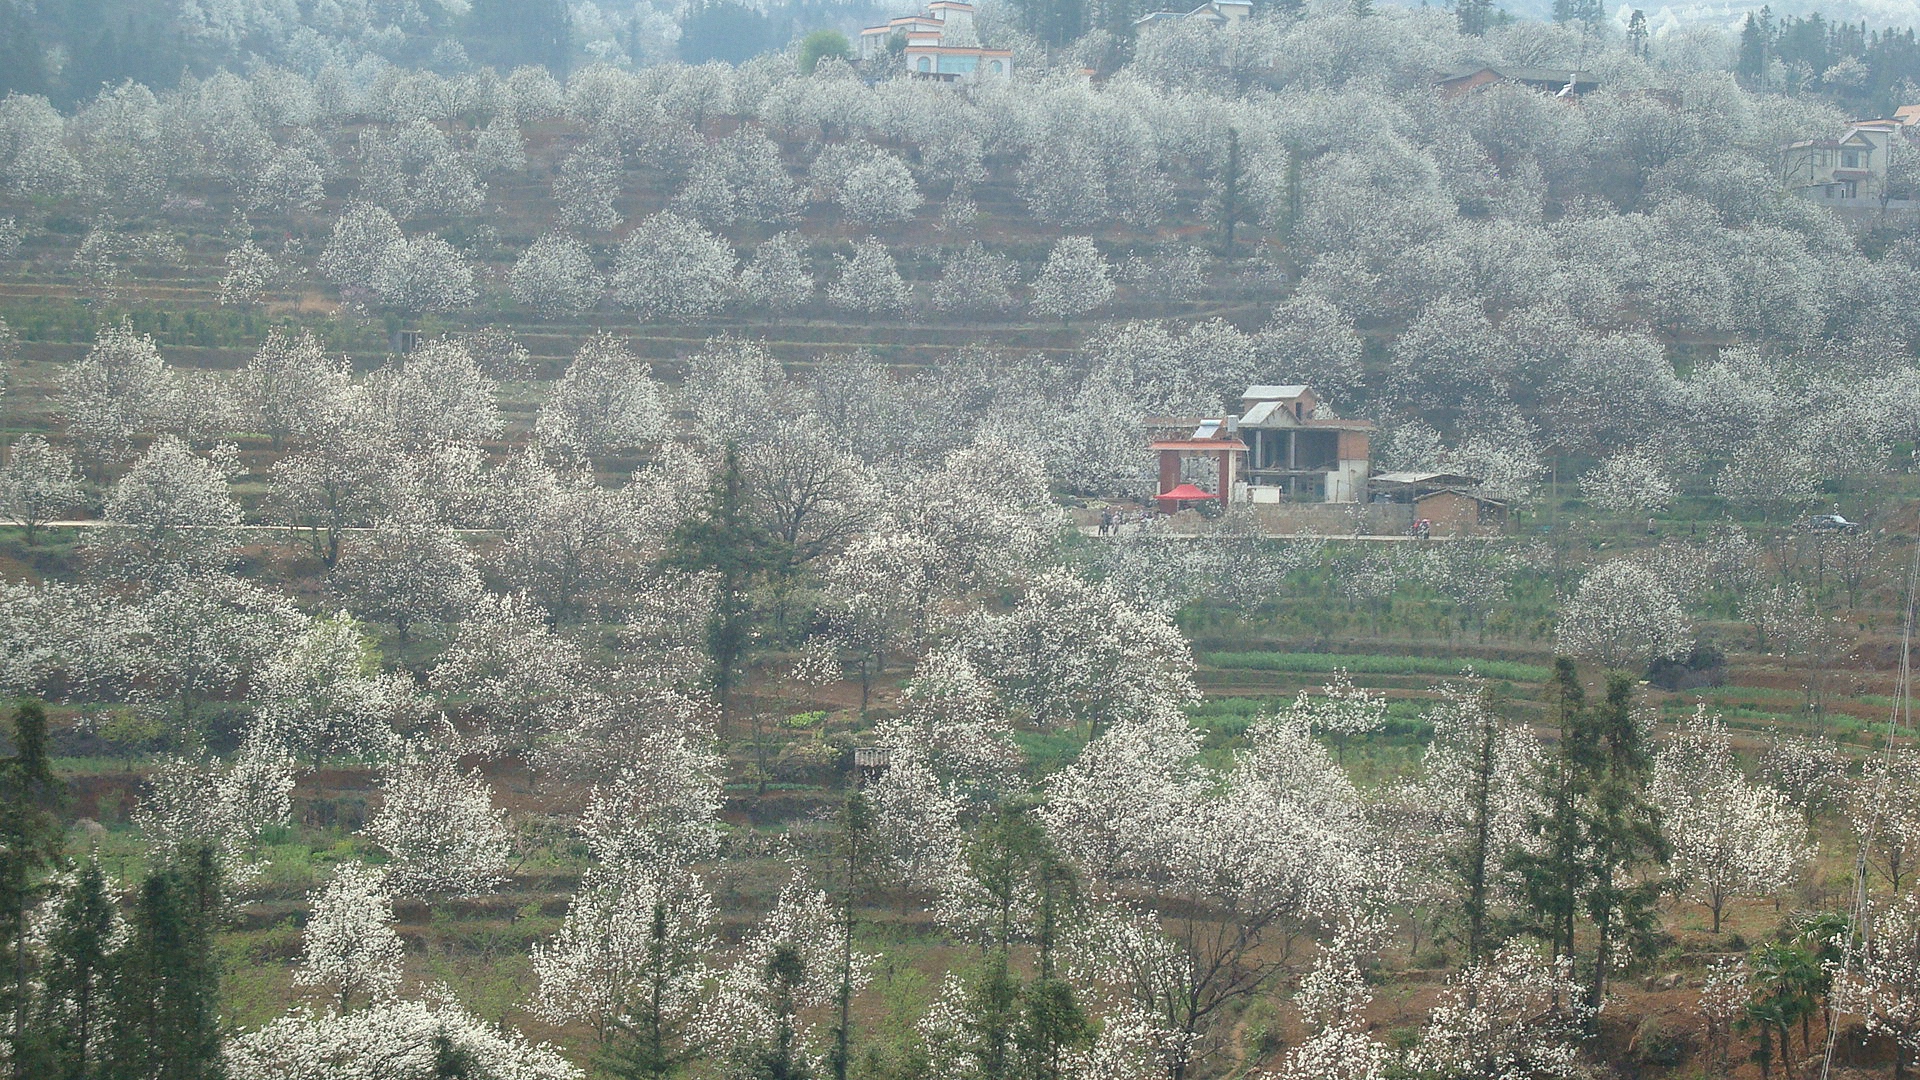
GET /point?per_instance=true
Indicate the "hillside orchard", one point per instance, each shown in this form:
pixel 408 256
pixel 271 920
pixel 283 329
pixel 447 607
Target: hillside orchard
pixel 531 574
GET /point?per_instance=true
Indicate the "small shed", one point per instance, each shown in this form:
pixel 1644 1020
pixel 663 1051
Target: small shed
pixel 1455 512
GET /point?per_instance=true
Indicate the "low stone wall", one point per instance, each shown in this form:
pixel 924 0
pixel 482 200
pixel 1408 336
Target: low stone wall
pixel 1338 519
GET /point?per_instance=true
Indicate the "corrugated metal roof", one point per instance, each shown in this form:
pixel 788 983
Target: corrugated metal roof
pixel 1424 478
pixel 1197 444
pixel 1262 412
pixel 1274 393
pixel 1474 495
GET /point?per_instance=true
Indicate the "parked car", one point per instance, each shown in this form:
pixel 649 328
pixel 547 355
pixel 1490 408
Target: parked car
pixel 1833 522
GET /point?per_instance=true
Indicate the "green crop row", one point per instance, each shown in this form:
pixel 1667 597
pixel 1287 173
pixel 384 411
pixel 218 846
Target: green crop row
pixel 1317 663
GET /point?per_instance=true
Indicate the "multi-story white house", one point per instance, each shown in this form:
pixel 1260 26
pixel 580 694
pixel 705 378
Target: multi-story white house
pixel 1852 166
pixel 1871 163
pixel 938 44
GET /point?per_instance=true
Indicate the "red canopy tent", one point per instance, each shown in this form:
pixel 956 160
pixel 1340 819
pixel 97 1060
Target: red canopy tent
pixel 1184 493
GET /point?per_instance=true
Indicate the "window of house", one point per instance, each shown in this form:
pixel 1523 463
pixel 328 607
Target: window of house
pixel 995 67
pixel 1853 159
pixel 926 63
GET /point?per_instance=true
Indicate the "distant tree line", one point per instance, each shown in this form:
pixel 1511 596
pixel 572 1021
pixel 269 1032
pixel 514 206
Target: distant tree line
pixel 1869 71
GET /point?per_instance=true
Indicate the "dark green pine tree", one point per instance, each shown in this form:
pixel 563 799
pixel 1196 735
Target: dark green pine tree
pixel 783 1059
pixel 30 848
pixel 1290 204
pixel 648 1042
pixel 453 1062
pixel 1552 875
pixel 70 1016
pixel 723 30
pixel 727 540
pixel 1053 1027
pixel 1597 836
pixel 993 1015
pixel 1016 1027
pixel 1756 49
pixel 853 874
pixel 1474 16
pixel 165 991
pixel 1637 34
pixel 1056 23
pixel 1232 208
pixel 1471 863
pixel 1623 835
pixel 1587 12
pixel 23 64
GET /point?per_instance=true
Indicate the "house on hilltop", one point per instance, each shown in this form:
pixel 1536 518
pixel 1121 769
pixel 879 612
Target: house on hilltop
pixel 1283 446
pixel 1217 12
pixel 1298 451
pixel 1855 164
pixel 1305 471
pixel 1560 82
pixel 937 44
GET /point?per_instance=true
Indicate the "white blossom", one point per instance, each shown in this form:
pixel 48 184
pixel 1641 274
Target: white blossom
pixel 436 396
pixel 1731 837
pixel 1881 982
pixel 586 186
pixel 869 184
pixel 295 389
pixel 1516 1016
pixel 661 810
pixel 325 693
pixel 1070 655
pixel 635 941
pixel 225 805
pixel 779 277
pixel 119 388
pixel 1623 615
pixel 170 516
pixel 1332 999
pixel 671 268
pixel 1341 710
pixel 975 283
pixel 400 1040
pixel 1884 810
pixel 250 273
pixel 556 276
pixel 870 282
pixel 38 484
pixel 440 827
pixel 788 966
pixel 409 570
pixel 348 946
pixel 507 671
pixel 1633 479
pixel 606 402
pixel 1075 280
